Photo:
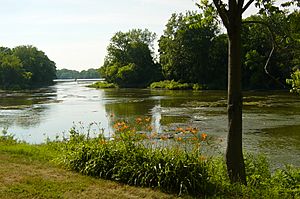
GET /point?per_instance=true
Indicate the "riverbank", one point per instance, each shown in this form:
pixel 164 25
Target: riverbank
pixel 32 171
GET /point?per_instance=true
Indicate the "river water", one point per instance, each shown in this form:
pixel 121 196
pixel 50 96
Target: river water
pixel 271 120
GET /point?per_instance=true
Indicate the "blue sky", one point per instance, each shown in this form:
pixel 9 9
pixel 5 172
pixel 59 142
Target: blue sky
pixel 75 33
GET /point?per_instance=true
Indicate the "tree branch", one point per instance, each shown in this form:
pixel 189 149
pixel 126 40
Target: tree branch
pixel 247 5
pixel 222 11
pixel 240 5
pixel 271 52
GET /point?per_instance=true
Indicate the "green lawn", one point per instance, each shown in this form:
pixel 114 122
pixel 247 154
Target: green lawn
pixel 25 172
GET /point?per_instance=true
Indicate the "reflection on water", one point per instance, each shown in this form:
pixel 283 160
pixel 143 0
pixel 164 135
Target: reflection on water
pixel 271 120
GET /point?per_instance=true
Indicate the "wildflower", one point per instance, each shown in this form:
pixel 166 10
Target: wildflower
pixel 138 120
pixel 116 126
pixel 203 136
pixel 194 131
pixel 189 129
pixel 180 130
pixel 163 137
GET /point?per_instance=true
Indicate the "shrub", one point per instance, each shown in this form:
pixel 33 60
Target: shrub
pixel 173 85
pixel 295 81
pixel 102 85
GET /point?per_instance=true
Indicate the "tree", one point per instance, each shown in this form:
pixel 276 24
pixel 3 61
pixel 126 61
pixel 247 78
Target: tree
pixel 190 48
pixel 231 16
pixel 262 34
pixel 24 67
pixel 89 74
pixel 130 62
pixel 43 70
pixel 12 74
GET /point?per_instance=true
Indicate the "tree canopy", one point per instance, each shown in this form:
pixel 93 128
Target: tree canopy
pixel 192 50
pixel 130 61
pixel 25 66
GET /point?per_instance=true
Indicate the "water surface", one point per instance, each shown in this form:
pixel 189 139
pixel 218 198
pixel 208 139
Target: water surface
pixel 271 120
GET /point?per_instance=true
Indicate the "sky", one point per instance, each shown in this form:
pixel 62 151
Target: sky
pixel 75 33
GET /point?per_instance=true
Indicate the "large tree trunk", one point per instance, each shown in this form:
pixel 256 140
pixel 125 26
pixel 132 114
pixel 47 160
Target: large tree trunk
pixel 234 153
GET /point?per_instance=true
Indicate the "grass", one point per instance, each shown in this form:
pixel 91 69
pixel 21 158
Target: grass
pixel 103 85
pixel 26 171
pixel 32 171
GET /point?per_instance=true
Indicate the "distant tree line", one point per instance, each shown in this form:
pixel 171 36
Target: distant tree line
pixel 74 74
pixel 193 49
pixel 25 67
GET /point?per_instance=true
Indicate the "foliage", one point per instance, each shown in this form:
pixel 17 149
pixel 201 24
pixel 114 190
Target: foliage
pixel 279 30
pixel 191 49
pixel 42 69
pixel 130 62
pixel 126 159
pixel 295 81
pixel 103 84
pixel 25 66
pixel 73 74
pixel 138 156
pixel 12 73
pixel 173 85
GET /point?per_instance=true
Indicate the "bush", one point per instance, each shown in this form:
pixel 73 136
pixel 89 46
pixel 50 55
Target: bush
pixel 295 81
pixel 173 85
pixel 102 85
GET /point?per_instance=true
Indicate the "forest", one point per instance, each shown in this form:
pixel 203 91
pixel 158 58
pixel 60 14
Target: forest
pixel 193 49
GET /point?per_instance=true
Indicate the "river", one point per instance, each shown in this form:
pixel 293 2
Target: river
pixel 271 120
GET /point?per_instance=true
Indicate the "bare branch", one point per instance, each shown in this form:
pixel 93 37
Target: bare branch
pixel 247 5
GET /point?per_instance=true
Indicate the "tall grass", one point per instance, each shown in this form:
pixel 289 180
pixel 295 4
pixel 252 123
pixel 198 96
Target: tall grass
pixel 136 156
pixel 128 158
